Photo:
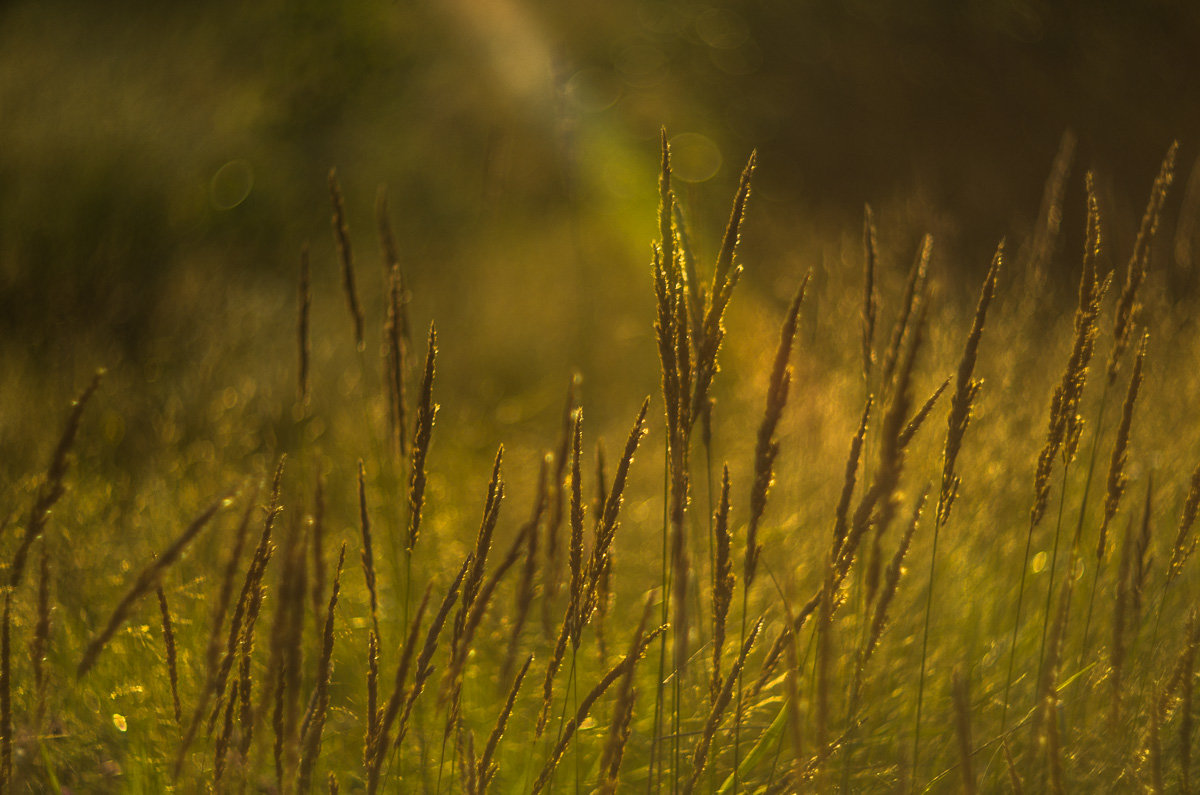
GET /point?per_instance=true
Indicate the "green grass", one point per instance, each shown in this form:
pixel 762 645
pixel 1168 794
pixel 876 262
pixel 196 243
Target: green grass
pixel 210 407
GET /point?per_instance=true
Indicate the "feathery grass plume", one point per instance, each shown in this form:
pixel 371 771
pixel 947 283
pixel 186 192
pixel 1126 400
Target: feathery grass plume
pixel 311 734
pixel 619 728
pixel 585 706
pixel 891 584
pixel 368 565
pixel 722 585
pixel 212 656
pixel 849 480
pixel 486 768
pixel 766 448
pixel 962 728
pixel 725 278
pixel 1064 423
pixel 914 286
pixel 145 582
pixel 1116 467
pixel 372 693
pixel 169 645
pixel 526 587
pixel 251 582
pixel 1039 247
pixel 483 545
pixel 221 748
pixel 603 575
pixel 41 638
pixel 551 582
pixel 341 234
pixel 1135 273
pixel 396 345
pixel 877 505
pixel 966 390
pixel 426 412
pixel 571 627
pixel 841 525
pixel 716 713
pixel 918 419
pixel 391 710
pixel 1183 547
pixel 870 296
pixel 575 550
pixel 6 715
pixel 367 555
pixel 609 520
pixel 397 337
pixel 245 671
pixel 303 337
pixel 696 291
pixel 425 659
pixel 461 647
pixel 50 488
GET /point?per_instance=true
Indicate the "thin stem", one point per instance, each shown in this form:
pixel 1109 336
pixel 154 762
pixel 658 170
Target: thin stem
pixel 937 526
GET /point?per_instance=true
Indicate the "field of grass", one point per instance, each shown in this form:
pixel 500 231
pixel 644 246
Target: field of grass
pixel 869 530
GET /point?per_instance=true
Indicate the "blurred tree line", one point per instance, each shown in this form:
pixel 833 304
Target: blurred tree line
pixel 141 140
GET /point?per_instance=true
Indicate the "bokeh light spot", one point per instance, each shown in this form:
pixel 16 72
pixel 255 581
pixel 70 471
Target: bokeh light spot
pixel 231 184
pixel 721 28
pixel 593 90
pixel 694 157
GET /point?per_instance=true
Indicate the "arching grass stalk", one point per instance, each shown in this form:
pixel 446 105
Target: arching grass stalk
pixel 1064 425
pixel 966 390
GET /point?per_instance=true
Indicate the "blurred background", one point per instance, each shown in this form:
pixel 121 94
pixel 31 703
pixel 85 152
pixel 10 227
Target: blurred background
pixel 161 166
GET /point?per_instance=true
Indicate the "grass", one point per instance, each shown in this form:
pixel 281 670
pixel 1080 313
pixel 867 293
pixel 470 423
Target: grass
pixel 150 643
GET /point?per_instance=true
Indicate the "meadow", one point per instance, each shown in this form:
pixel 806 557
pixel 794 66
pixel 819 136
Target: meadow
pixel 875 528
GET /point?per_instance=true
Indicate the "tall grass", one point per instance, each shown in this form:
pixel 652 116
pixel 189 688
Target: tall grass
pixel 904 621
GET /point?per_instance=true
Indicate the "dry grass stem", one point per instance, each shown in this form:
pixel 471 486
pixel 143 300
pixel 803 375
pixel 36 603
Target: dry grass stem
pixel 766 448
pixel 1185 542
pixel 51 488
pixel 486 768
pixel 341 235
pixel 1116 467
pixel 716 712
pixel 914 286
pixel 378 751
pixel 870 296
pixel 315 724
pixel 142 585
pixel 619 728
pixel 962 729
pixel 966 390
pixel 1127 305
pixel 723 583
pixel 426 412
pixel 169 646
pixel 585 707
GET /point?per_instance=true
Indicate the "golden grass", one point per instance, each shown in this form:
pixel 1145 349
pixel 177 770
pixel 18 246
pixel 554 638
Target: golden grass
pixel 834 692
